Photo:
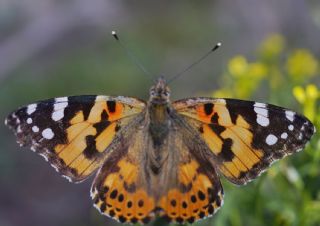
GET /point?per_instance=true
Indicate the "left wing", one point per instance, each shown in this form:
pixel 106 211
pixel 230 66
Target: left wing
pixel 245 137
pixel 73 133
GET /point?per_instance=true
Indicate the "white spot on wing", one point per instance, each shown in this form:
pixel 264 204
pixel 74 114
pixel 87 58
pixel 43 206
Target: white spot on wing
pixel 31 108
pixel 58 111
pixel 44 156
pixel 35 129
pixel 68 178
pixel 284 135
pixel 259 105
pixel 29 120
pixel 47 134
pixel 262 114
pixel 261 111
pixel 19 129
pixel 55 167
pixel 290 115
pixel 290 127
pixel 263 121
pixel 60 105
pixel 93 193
pixel 61 99
pixel 271 139
pixel 57 115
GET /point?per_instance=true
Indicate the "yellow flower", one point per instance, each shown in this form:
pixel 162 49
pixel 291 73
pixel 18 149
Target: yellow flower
pixel 238 66
pixel 308 98
pixel 312 92
pixel 272 46
pixel 301 64
pixel 257 70
pixel 299 94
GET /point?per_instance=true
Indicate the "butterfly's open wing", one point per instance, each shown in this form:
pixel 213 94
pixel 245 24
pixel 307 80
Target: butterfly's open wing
pixel 245 137
pixel 194 189
pixel 141 180
pixel 120 190
pixel 73 133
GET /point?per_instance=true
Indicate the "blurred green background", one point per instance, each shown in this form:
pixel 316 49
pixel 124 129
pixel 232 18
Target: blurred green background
pixel 270 53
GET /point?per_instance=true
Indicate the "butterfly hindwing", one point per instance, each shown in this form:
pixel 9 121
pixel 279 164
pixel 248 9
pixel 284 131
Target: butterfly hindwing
pixel 193 190
pixel 245 137
pixel 143 179
pixel 120 189
pixel 73 133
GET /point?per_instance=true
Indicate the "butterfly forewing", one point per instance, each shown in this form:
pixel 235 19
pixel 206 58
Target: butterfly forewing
pixel 73 133
pixel 245 137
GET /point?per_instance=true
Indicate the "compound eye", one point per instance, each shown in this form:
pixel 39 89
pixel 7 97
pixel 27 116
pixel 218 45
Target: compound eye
pixel 152 92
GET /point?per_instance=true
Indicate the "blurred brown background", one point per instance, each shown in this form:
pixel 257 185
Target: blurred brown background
pixel 58 48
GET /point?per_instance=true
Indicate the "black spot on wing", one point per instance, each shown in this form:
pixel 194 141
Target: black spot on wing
pixel 90 151
pixel 215 118
pixel 101 126
pixel 79 103
pixel 217 128
pixel 243 108
pixel 117 128
pixel 226 153
pixel 208 108
pixel 111 106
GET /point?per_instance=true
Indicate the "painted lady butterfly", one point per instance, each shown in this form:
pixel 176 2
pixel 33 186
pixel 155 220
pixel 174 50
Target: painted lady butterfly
pixel 159 158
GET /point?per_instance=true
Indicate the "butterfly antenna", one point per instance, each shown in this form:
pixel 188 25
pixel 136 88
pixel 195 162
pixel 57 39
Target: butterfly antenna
pixel 131 55
pixel 195 63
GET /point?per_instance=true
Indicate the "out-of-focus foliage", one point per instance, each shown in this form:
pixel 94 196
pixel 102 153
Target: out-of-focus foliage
pixel 289 193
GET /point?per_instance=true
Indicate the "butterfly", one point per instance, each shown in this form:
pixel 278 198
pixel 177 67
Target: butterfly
pixel 159 158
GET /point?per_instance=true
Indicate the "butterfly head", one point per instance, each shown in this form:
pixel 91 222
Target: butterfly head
pixel 160 92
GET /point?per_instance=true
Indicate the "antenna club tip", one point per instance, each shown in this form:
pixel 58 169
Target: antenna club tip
pixel 216 46
pixel 114 34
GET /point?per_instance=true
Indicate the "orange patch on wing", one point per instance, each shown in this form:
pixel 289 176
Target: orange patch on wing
pixel 105 138
pixel 232 169
pixel 242 123
pixel 128 171
pixel 241 147
pixel 74 130
pixel 187 172
pixel 223 113
pixel 123 203
pixel 81 163
pixel 191 204
pixel 58 148
pixel 118 113
pixel 212 140
pixel 77 145
pixel 203 117
pixel 77 118
pixel 96 110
